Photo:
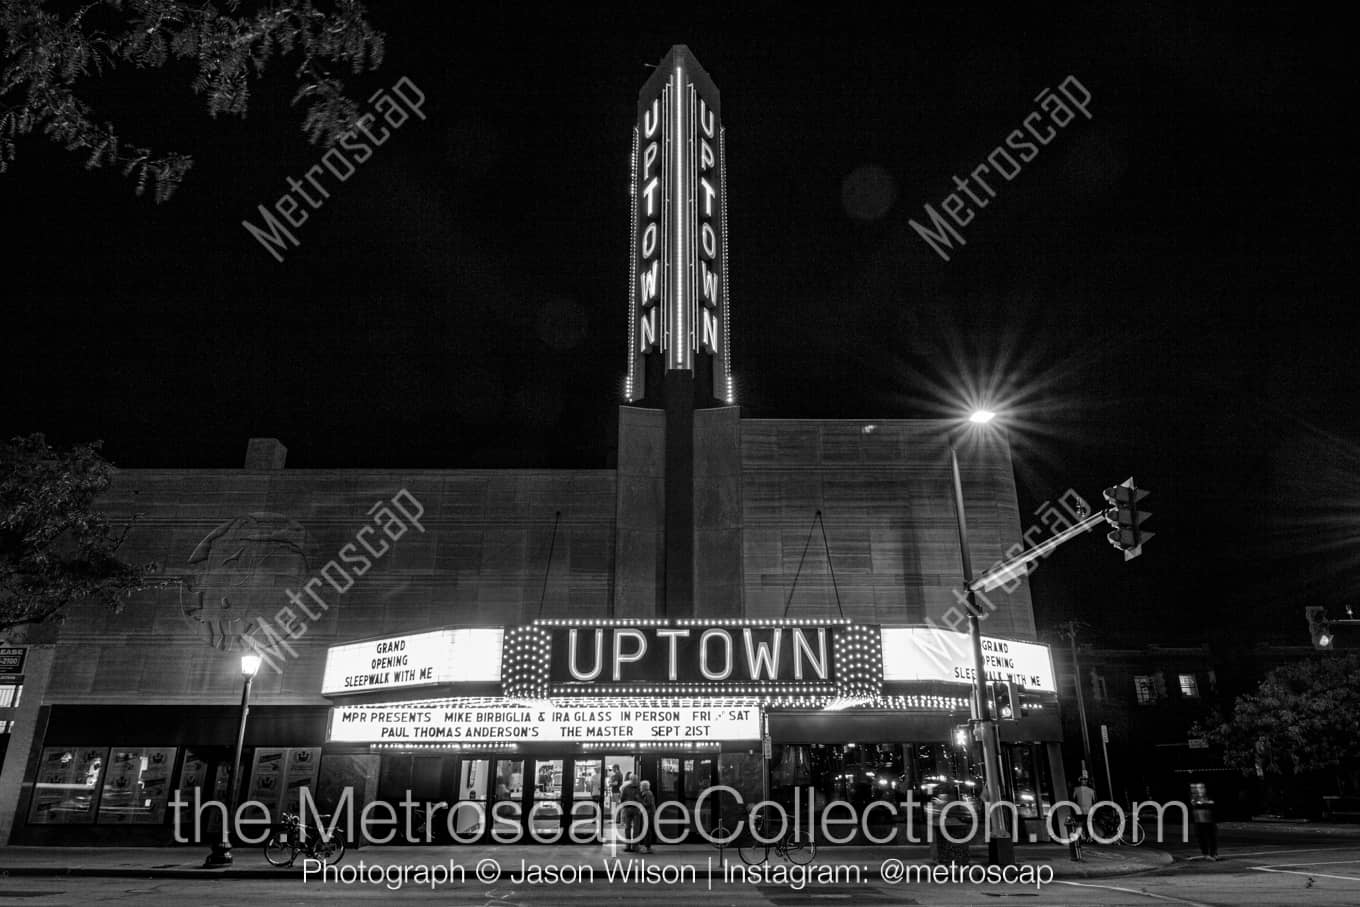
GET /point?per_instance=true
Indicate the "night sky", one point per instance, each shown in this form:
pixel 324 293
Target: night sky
pixel 1160 292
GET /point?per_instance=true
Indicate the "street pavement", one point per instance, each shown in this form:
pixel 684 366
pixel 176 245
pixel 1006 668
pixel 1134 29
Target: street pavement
pixel 1260 865
pixel 509 861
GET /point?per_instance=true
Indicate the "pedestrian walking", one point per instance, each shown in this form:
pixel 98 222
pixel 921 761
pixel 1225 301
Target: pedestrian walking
pixel 615 783
pixel 648 818
pixel 1206 824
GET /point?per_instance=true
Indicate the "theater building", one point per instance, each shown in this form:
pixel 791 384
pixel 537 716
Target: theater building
pixel 769 604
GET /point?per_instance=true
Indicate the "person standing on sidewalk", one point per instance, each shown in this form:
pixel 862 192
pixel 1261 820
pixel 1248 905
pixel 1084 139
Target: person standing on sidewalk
pixel 629 796
pixel 1206 827
pixel 1083 798
pixel 648 801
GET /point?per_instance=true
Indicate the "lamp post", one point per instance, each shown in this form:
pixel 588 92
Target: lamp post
pixel 1000 848
pixel 221 852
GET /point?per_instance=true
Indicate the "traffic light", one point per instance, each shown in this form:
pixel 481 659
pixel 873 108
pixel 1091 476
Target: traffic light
pixel 1319 627
pixel 1128 534
pixel 1003 694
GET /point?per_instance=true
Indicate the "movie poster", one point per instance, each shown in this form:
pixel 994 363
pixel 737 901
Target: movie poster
pixel 301 767
pixel 267 778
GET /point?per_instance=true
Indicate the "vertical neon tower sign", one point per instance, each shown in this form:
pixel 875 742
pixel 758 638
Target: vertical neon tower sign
pixel 678 304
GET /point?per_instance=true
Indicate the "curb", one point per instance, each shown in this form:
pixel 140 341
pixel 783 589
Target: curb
pixel 118 872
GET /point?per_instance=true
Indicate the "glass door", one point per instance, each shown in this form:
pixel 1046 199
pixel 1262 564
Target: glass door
pixel 618 767
pixel 506 812
pixel 546 812
pixel 698 776
pixel 471 817
pixel 589 793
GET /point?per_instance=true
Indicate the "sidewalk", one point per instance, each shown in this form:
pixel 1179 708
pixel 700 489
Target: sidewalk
pixel 186 862
pixel 1295 827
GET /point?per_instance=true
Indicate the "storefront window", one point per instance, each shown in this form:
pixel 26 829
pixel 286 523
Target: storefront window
pixel 68 784
pixel 858 773
pixel 741 772
pixel 278 774
pixel 136 786
pixel 204 774
pixel 1024 772
pixel 266 777
pixel 945 773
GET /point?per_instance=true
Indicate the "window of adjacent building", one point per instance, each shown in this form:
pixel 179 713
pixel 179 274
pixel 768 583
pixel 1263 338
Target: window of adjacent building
pixel 1144 689
pixel 1099 691
pixel 10 694
pixel 1189 686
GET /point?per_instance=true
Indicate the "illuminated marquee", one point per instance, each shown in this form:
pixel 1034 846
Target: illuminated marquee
pixel 926 653
pixel 475 723
pixel 718 655
pixel 421 659
pixel 677 289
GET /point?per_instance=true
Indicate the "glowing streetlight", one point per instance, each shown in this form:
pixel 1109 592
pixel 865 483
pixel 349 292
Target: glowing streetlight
pixel 221 852
pixel 981 416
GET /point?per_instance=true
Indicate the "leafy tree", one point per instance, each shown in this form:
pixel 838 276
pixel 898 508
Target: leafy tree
pixel 54 548
pixel 1303 718
pixel 45 54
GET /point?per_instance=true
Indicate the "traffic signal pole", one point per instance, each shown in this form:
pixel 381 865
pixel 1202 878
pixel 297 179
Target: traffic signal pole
pixel 1127 520
pixel 1014 567
pixel 1124 516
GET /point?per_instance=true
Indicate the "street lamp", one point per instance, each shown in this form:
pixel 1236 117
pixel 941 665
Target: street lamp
pixel 221 852
pixel 1000 848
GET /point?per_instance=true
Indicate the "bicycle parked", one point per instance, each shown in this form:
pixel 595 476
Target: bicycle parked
pixel 794 845
pixel 289 838
pixel 1106 825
